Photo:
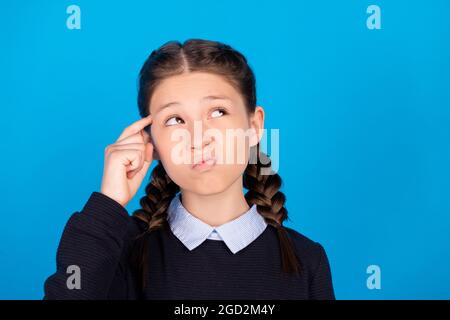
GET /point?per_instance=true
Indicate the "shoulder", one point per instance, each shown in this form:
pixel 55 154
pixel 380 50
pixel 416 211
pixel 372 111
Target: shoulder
pixel 310 252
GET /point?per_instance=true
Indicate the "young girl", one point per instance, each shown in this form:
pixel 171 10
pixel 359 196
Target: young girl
pixel 197 235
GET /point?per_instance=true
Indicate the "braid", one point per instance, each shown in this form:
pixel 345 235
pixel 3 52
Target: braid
pixel 264 191
pixel 152 214
pixel 158 195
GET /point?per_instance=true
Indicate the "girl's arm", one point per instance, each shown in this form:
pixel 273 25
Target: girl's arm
pixel 91 259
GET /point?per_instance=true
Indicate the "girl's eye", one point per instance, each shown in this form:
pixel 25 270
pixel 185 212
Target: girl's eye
pixel 173 121
pixel 218 112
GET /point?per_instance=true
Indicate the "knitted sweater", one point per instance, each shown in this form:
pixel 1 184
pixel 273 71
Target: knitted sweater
pixel 93 262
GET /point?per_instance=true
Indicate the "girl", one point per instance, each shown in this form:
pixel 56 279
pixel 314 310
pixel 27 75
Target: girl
pixel 197 235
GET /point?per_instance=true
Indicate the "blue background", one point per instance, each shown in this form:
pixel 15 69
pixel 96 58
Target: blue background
pixel 363 117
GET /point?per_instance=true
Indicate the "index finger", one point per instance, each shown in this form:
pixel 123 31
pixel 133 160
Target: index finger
pixel 136 127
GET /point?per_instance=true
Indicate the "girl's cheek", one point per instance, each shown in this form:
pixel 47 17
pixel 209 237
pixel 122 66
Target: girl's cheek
pixel 159 139
pixel 169 148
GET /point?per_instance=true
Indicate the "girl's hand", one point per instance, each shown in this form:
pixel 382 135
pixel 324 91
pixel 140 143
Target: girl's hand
pixel 127 162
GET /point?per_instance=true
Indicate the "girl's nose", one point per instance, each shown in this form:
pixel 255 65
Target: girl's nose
pixel 201 143
pixel 200 136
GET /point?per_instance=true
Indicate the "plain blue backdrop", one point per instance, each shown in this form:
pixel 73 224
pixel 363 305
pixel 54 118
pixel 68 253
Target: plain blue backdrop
pixel 363 116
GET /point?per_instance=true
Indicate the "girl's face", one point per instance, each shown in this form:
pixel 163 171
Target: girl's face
pixel 197 116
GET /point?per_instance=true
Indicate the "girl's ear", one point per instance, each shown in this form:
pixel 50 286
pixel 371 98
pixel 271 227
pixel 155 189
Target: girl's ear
pixel 155 154
pixel 257 124
pixel 155 151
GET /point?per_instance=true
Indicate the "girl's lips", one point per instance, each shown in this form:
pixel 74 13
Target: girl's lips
pixel 204 164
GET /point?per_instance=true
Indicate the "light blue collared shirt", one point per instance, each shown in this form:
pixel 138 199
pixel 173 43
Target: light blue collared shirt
pixel 237 233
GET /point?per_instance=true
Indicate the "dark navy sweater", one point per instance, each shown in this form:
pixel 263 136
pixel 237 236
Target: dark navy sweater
pixel 98 241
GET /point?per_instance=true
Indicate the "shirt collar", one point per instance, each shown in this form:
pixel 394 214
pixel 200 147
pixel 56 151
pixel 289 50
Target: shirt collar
pixel 191 231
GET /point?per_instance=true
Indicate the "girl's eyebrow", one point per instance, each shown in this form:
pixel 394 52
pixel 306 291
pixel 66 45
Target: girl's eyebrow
pixel 167 105
pixel 218 97
pixel 207 98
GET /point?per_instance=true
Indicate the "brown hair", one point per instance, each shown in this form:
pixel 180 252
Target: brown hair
pixel 263 190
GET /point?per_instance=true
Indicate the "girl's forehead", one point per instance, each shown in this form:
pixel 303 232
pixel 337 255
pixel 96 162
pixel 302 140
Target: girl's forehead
pixel 192 87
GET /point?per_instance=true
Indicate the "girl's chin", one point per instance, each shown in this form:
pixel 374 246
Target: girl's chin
pixel 204 188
